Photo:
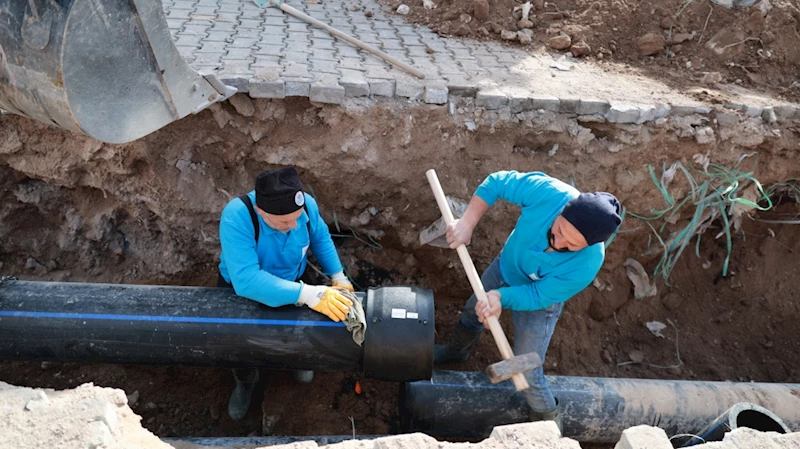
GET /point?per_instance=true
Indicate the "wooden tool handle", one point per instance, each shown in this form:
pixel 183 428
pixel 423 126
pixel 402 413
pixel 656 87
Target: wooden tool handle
pixel 472 274
pixel 290 10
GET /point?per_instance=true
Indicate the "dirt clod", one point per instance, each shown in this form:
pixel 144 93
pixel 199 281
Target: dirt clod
pixel 480 9
pixel 560 42
pixel 650 44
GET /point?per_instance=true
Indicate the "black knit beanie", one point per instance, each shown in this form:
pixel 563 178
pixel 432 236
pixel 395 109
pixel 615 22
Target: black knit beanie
pixel 595 215
pixel 279 192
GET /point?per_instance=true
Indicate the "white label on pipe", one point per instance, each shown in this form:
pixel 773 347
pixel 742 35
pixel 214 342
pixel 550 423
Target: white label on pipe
pixel 399 313
pixel 412 315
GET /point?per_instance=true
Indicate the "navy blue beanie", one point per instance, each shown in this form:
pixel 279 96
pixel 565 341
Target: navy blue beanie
pixel 595 215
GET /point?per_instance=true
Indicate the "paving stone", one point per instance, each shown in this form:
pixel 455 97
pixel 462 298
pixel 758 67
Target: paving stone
pixel 325 89
pixel 297 87
pixel 381 87
pixel 519 103
pixel 551 104
pixel 324 66
pixel 490 99
pixel 267 89
pixel 410 89
pixel 768 115
pixel 623 113
pixel 785 113
pixel 590 107
pixel 435 93
pixel 643 437
pixel 568 105
pixel 241 54
pixel 354 82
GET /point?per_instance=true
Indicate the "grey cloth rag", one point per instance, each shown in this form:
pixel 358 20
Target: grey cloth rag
pixel 355 321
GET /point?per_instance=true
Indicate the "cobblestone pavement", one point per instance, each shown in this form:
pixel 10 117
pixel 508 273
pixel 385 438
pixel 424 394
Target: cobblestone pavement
pixel 271 54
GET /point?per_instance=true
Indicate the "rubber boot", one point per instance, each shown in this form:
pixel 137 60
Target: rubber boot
pixel 461 342
pixel 239 403
pixel 304 376
pixel 550 415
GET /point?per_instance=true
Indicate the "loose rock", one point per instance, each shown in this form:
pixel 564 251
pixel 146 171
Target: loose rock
pixel 462 30
pixel 524 23
pixel 508 35
pixel 524 38
pixel 580 49
pixel 650 44
pixel 561 42
pixel 480 9
pixel 243 104
pixel 711 78
pixel 403 9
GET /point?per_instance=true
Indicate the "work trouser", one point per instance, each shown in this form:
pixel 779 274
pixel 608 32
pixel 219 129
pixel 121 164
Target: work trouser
pixel 532 333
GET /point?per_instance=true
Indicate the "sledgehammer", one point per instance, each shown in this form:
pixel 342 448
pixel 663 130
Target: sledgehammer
pixel 511 367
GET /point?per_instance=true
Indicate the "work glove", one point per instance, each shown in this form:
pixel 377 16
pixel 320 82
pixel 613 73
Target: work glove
pixel 341 281
pixel 325 300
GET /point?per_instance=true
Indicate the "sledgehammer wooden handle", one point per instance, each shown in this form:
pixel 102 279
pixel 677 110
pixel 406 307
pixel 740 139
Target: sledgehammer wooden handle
pixel 477 286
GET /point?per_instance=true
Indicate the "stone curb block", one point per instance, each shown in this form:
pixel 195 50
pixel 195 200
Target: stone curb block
pixel 623 113
pixel 267 89
pixel 551 104
pixel 569 105
pixel 326 93
pixel 355 87
pixel 297 87
pixel 409 89
pixel 381 87
pixel 436 94
pixel 490 99
pixel 593 107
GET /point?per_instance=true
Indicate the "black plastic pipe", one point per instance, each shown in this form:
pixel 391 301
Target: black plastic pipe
pixel 595 410
pixel 743 414
pixel 103 323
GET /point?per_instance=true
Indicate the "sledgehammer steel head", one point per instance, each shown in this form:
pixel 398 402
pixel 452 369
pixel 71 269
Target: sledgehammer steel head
pixel 506 369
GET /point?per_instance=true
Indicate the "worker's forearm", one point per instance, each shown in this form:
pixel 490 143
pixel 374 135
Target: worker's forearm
pixel 475 210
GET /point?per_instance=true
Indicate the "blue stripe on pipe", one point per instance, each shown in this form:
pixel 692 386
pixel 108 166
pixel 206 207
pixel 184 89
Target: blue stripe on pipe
pixel 168 319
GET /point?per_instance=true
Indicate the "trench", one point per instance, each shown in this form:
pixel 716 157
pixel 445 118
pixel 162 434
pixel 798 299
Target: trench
pixel 74 209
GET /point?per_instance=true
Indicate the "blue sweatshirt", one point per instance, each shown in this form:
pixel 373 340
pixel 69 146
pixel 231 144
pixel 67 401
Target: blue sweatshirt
pixel 538 279
pixel 267 273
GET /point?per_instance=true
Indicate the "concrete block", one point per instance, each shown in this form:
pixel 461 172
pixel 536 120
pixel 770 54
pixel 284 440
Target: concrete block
pixel 551 104
pixel 623 113
pixel 519 104
pixel 241 83
pixel 568 105
pixel 753 111
pixel 662 111
pixel 644 437
pixel 297 87
pixel 435 94
pixel 460 87
pixel 354 83
pixel 381 87
pixel 768 115
pixel 785 113
pixel 490 99
pixel 407 441
pixel 532 434
pixel 727 119
pixel 646 114
pixel 746 438
pixel 592 107
pixel 326 91
pixel 410 89
pixel 267 89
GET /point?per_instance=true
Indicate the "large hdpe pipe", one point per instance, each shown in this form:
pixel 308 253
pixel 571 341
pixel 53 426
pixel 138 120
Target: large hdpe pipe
pixel 595 410
pixel 743 414
pixel 103 323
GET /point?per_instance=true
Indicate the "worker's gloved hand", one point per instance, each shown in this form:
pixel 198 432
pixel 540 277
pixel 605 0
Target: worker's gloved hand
pixel 341 281
pixel 459 233
pixel 494 307
pixel 325 300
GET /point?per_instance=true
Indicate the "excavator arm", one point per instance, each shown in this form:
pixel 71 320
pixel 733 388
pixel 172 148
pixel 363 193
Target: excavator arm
pixel 105 68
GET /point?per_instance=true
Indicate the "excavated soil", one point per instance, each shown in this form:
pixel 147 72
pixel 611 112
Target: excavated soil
pixel 754 47
pixel 74 209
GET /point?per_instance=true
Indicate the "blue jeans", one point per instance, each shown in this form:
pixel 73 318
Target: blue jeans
pixel 532 333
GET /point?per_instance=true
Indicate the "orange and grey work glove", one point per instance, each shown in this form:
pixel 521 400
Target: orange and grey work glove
pixel 341 281
pixel 325 300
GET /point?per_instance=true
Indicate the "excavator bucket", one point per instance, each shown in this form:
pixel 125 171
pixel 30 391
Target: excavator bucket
pixel 104 68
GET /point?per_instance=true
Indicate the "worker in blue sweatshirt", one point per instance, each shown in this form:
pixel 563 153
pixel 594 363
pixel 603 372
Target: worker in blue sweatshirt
pixel 265 237
pixel 554 252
